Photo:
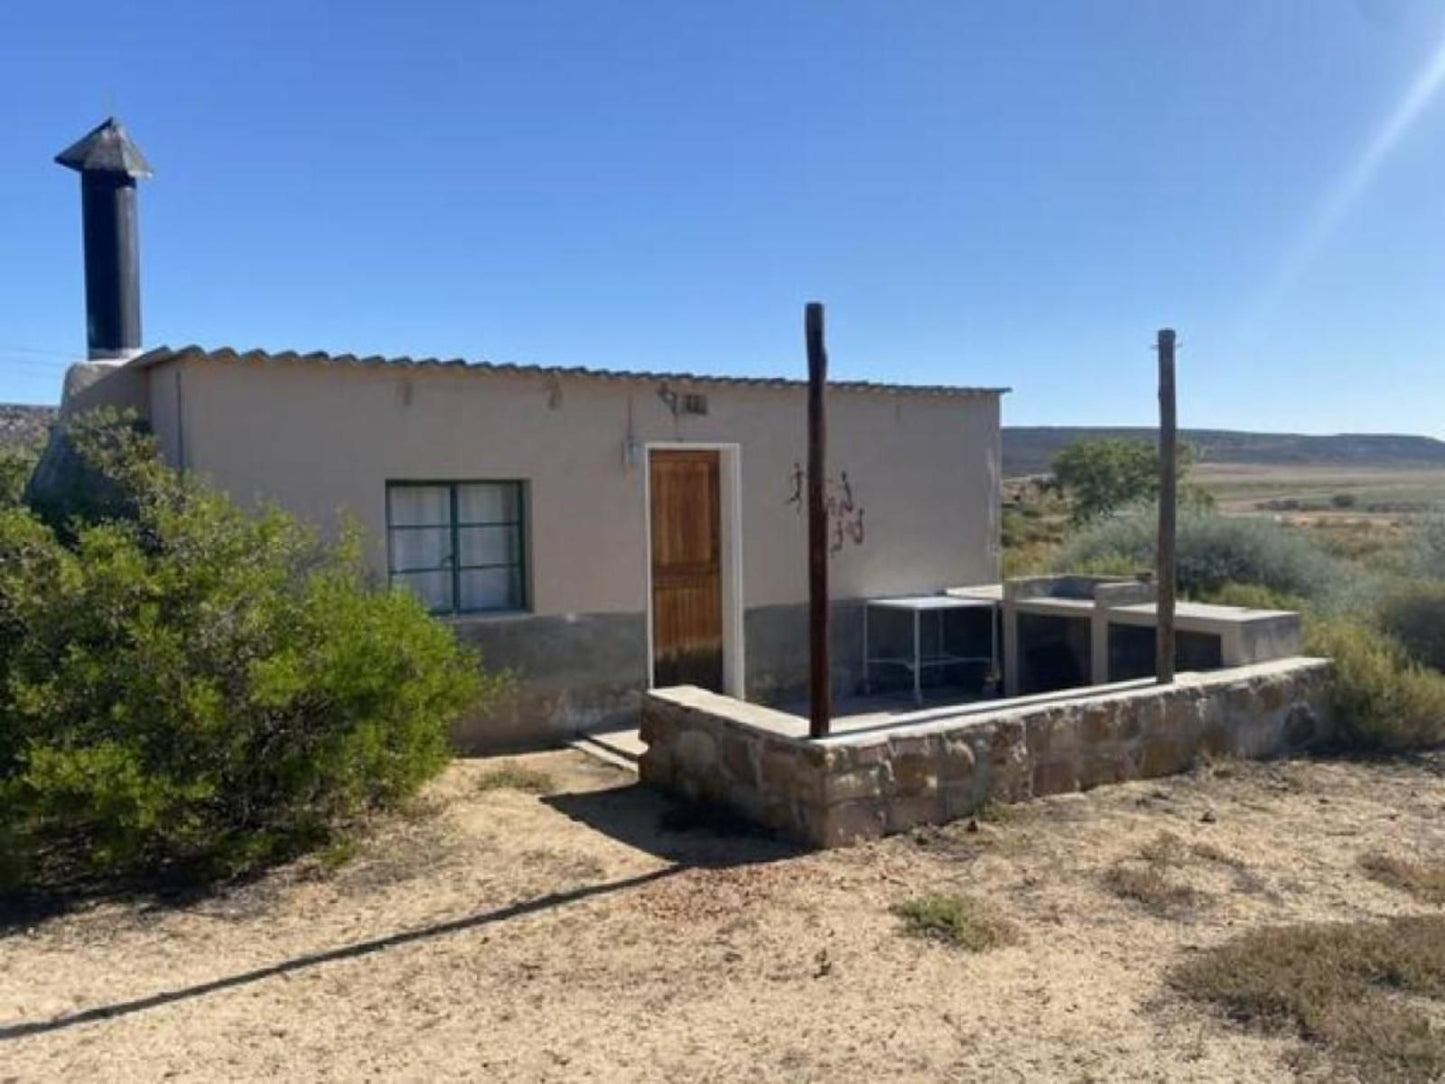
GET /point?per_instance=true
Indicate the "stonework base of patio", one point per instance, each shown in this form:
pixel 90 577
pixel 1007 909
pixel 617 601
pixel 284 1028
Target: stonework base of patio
pixel 937 767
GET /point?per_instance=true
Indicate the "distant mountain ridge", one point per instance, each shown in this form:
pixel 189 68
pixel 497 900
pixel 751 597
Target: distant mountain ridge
pixel 24 424
pixel 1030 449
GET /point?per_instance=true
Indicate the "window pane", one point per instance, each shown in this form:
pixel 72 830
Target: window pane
pixel 490 545
pixel 492 589
pixel 488 502
pixel 425 505
pixel 420 548
pixel 433 588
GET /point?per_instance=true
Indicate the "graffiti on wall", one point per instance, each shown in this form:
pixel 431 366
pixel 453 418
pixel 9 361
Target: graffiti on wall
pixel 844 514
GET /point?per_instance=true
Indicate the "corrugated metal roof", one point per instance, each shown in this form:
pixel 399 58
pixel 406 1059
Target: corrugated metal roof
pixel 163 354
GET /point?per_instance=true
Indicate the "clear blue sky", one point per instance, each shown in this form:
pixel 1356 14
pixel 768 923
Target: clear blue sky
pixel 1007 192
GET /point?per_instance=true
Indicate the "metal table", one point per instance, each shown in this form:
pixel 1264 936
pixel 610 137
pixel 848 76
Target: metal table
pixel 918 606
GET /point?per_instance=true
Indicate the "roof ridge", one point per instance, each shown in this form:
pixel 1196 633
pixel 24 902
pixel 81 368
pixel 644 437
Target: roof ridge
pixel 161 354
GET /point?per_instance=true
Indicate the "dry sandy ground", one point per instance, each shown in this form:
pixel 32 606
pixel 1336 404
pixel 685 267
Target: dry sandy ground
pixel 499 935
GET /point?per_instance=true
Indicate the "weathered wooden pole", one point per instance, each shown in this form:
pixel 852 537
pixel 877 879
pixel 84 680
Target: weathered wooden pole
pixel 820 693
pixel 1168 504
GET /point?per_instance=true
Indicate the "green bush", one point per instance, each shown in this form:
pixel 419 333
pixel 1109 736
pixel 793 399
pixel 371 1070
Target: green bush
pixel 963 921
pixel 1212 551
pixel 16 465
pixel 1414 614
pixel 1381 698
pixel 189 690
pixel 1108 473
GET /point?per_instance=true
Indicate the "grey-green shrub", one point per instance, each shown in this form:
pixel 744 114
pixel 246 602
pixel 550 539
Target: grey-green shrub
pixel 188 689
pixel 1212 551
pixel 1425 556
pixel 1413 612
pixel 1254 597
pixel 1381 698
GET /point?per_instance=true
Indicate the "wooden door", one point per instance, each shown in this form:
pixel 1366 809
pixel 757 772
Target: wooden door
pixel 687 639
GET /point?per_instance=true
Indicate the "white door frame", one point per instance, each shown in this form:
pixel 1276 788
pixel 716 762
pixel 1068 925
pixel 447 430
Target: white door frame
pixel 730 502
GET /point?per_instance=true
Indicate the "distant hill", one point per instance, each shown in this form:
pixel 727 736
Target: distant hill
pixel 1030 449
pixel 24 424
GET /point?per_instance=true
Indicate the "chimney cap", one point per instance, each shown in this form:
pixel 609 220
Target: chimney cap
pixel 106 148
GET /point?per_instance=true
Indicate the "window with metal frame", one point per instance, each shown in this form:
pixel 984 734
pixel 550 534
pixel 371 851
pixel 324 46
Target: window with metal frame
pixel 460 546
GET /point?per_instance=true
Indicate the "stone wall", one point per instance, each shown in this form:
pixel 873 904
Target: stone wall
pixel 939 765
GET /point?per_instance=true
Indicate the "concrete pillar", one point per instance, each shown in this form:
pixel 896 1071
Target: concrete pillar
pixel 1099 644
pixel 1107 596
pixel 1012 670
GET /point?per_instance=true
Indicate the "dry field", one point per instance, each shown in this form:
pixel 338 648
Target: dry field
pixel 1371 491
pixel 1368 513
pixel 547 919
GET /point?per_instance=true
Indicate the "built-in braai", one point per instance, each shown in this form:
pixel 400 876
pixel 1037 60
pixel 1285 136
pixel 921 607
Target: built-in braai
pixel 1064 632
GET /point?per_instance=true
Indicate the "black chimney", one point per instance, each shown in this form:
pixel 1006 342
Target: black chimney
pixel 109 165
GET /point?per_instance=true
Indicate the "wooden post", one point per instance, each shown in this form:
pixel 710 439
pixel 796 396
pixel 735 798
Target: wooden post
pixel 1168 502
pixel 820 693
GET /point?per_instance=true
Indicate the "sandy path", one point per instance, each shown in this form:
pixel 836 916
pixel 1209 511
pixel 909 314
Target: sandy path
pixel 509 937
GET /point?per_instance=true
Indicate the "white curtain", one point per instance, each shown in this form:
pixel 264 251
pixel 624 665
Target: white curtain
pixel 487 502
pixel 412 506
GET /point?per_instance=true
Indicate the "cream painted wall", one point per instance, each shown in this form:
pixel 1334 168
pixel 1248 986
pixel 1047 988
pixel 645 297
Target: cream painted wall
pixel 321 438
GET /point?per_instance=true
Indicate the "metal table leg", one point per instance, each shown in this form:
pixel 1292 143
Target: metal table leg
pixel 917 662
pixel 994 617
pixel 867 654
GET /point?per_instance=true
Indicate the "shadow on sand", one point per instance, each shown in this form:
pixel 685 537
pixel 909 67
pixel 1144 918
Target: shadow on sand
pixel 685 835
pixel 667 828
pixel 346 952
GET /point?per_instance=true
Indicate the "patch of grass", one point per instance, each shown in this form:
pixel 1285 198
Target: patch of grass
pixel 1337 986
pixel 1165 849
pixel 1423 880
pixel 961 921
pixel 1245 879
pixel 1210 853
pixel 1152 888
pixel 1146 881
pixel 1378 542
pixel 510 775
pixel 338 853
pixel 994 812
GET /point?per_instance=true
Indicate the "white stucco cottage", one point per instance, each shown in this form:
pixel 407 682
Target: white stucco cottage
pixel 596 532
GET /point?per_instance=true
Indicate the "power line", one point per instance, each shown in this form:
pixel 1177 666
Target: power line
pixel 32 369
pixel 6 348
pixel 32 366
